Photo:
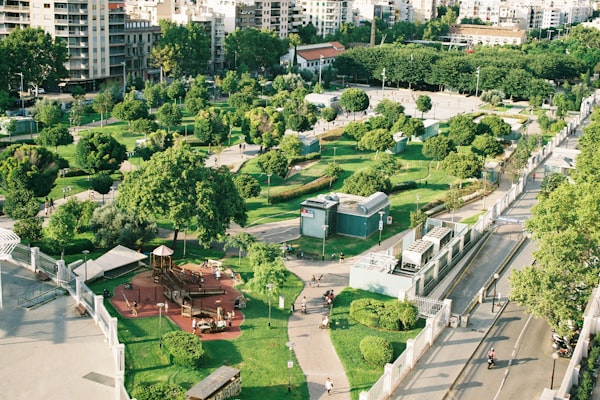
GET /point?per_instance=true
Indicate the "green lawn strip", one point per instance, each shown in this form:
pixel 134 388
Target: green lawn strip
pixel 260 353
pixel 346 335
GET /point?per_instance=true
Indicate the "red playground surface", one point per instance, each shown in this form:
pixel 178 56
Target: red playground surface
pixel 148 294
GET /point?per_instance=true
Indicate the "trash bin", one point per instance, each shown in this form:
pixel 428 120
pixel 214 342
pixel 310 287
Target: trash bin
pixel 454 321
pixel 464 320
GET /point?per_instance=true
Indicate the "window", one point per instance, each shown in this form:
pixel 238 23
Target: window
pixel 46 5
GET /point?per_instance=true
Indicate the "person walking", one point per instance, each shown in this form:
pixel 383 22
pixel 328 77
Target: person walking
pixel 134 309
pixel 194 325
pixel 329 386
pixel 341 257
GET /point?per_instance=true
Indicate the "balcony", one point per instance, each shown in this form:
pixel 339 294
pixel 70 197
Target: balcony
pixel 14 20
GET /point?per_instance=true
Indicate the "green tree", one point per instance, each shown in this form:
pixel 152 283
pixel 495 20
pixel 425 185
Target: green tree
pixel 493 125
pixel 257 49
pixel 175 185
pixel 99 151
pixel 21 206
pixel 550 183
pixel 334 171
pixel 516 83
pixel 417 217
pixel 247 186
pixel 388 164
pixel 78 93
pixel 102 183
pixel 34 53
pixel 329 114
pixel 47 111
pixel 197 97
pixel 103 103
pixel 27 166
pixel 61 228
pixel 266 126
pixel 155 94
pixel 487 145
pixel 365 183
pixel 229 84
pixel 113 226
pixel 437 147
pixel 267 266
pixel 182 49
pixel 143 126
pixel 54 136
pixel 462 165
pixel 241 241
pixel 291 145
pixel 356 130
pixel 273 162
pixel 391 110
pixel 209 126
pixel 424 104
pixel 169 115
pixel 130 109
pixel 354 100
pixel 453 200
pixel 376 140
pixel 462 130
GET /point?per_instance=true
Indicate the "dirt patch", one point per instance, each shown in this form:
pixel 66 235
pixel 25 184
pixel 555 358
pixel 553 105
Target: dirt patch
pixel 300 166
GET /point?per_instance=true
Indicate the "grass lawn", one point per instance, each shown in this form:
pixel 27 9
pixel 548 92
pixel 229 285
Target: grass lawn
pixel 346 335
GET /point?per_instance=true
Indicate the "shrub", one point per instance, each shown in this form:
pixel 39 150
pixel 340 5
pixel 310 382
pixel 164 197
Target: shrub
pixel 305 157
pixel 376 351
pixel 158 391
pixel 75 246
pixel 402 186
pixel 311 187
pixel 185 347
pixel 390 315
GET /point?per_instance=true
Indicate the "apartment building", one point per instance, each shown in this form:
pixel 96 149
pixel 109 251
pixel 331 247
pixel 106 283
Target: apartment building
pixel 141 37
pixel 531 14
pixel 486 35
pixel 314 57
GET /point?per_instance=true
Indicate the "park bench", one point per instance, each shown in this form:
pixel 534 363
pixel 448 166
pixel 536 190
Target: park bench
pixel 81 310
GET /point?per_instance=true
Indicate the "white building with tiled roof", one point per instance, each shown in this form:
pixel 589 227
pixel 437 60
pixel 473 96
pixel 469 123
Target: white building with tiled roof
pixel 314 56
pixel 486 35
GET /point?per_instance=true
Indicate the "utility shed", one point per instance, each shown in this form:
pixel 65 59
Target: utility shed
pixel 439 236
pixel 399 143
pixel 359 216
pixel 417 255
pixel 222 384
pixel 309 145
pixel 315 214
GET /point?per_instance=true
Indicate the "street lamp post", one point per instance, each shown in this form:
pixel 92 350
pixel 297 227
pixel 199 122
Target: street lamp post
pixel 113 188
pixel 477 85
pixel 320 67
pixel 324 237
pixel 554 358
pixel 496 277
pixel 160 307
pixel 124 78
pixel 418 198
pixel 270 286
pixel 383 82
pixel 484 186
pixel 381 214
pixel 268 187
pixel 290 365
pixel 21 95
pixel 85 254
pixel 334 149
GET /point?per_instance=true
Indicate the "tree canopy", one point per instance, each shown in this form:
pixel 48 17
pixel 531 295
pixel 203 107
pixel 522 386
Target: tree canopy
pixel 99 151
pixel 27 166
pixel 175 185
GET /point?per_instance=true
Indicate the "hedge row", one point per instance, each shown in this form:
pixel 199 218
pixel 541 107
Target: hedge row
pixel 390 315
pixel 311 187
pixel 185 348
pixel 402 186
pixel 305 157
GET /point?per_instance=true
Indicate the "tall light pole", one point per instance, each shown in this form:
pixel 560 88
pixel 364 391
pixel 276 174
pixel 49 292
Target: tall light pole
pixel 418 198
pixel 320 67
pixel 477 85
pixel 484 173
pixel 160 307
pixel 124 79
pixel 550 32
pixel 270 286
pixel 268 187
pixel 85 254
pixel 381 214
pixel 21 94
pixel 290 365
pixel 334 149
pixel 325 227
pixel 382 82
pixel 554 358
pixel 496 277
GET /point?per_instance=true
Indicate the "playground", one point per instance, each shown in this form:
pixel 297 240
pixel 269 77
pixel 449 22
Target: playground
pixel 192 290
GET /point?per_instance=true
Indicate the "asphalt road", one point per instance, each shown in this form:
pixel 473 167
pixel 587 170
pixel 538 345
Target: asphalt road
pixel 524 361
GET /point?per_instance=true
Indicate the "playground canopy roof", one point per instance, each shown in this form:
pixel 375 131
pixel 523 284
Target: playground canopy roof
pixel 114 259
pixel 162 251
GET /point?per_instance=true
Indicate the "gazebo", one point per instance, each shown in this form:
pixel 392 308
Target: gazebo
pixel 161 258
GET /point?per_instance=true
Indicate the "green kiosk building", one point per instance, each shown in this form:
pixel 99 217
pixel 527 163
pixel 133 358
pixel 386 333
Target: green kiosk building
pixel 344 214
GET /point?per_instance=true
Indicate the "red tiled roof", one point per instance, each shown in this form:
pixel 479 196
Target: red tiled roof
pixel 326 52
